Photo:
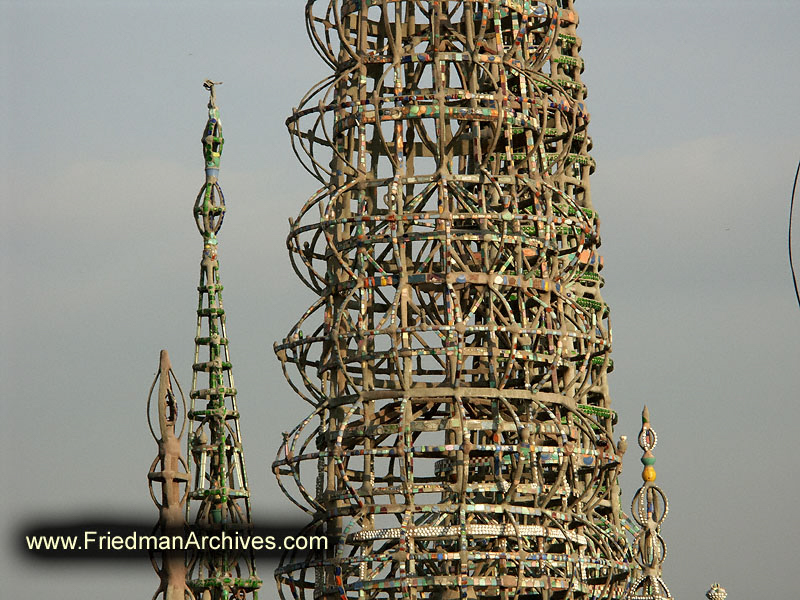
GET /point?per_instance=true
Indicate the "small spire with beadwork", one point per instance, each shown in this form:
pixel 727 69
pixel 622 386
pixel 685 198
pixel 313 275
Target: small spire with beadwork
pixel 717 592
pixel 649 509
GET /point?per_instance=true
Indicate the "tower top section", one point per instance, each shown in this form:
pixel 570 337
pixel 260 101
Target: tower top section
pixel 209 208
pixel 212 136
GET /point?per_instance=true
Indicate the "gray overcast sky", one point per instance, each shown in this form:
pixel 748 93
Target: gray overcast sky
pixel 695 125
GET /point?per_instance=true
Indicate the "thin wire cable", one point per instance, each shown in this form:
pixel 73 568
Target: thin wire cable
pixel 791 211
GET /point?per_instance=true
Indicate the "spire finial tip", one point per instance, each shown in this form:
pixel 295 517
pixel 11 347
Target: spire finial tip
pixel 209 85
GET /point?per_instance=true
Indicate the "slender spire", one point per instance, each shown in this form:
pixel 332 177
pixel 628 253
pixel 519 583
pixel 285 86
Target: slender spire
pixel 219 498
pixel 649 509
pixel 171 471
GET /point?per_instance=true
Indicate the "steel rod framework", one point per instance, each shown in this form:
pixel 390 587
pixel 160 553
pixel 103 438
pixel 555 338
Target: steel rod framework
pixel 460 443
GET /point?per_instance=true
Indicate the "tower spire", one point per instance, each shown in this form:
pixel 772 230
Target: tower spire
pixel 219 499
pixel 649 509
pixel 170 470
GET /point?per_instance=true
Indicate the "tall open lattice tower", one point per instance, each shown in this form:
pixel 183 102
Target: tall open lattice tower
pixel 460 441
pixel 219 496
